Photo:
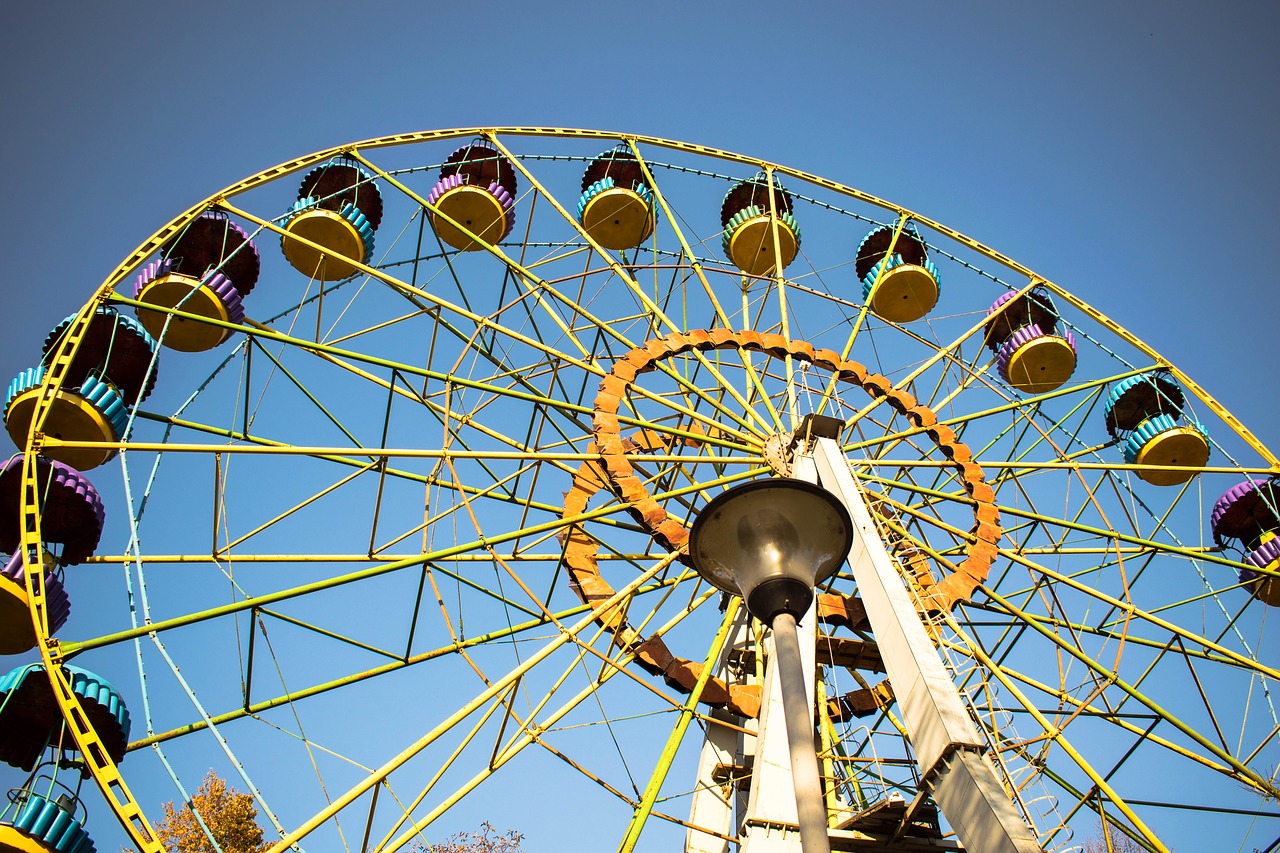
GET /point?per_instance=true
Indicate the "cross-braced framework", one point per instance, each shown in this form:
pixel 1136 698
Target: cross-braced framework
pixel 414 527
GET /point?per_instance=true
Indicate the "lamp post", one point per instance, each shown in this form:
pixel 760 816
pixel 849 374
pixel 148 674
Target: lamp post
pixel 772 541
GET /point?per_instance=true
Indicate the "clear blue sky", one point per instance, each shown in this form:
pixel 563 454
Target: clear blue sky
pixel 1124 151
pixel 1111 147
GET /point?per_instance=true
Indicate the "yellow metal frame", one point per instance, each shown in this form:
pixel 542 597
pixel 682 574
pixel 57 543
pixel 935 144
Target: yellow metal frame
pixel 151 245
pixel 94 753
pixel 104 771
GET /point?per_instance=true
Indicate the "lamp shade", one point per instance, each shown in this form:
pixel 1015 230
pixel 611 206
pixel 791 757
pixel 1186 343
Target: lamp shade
pixel 771 541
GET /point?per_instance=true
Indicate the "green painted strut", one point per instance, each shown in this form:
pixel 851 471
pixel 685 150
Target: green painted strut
pixel 677 733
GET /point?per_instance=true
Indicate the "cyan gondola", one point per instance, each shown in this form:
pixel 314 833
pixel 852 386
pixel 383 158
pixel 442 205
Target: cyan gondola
pixel 760 237
pixel 33 823
pixel 94 411
pixel 114 347
pixel 339 208
pixel 31 721
pixel 899 282
pixel 34 737
pixel 113 368
pixel 1145 414
pixel 617 204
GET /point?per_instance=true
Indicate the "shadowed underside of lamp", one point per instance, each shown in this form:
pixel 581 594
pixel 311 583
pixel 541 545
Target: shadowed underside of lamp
pixel 771 541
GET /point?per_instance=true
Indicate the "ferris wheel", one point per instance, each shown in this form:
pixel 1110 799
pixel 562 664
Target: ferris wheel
pixel 399 536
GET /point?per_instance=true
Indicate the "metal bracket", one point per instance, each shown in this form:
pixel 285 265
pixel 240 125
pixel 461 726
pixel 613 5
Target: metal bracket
pixel 814 426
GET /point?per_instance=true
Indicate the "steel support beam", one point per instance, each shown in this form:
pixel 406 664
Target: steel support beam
pixel 949 750
pixel 771 823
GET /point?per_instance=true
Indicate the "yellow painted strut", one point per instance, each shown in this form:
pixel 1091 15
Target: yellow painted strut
pixel 94 752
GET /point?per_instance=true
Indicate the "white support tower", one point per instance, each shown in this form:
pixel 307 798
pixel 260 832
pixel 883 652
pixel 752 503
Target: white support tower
pixel 947 746
pixel 767 811
pixel 770 823
pixel 717 796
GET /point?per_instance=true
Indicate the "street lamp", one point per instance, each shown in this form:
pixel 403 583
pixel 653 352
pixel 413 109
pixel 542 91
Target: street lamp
pixel 772 541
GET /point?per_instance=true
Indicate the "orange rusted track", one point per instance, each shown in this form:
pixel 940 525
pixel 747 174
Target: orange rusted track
pixel 615 472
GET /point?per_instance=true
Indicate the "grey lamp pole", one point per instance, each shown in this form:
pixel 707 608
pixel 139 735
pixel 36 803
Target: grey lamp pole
pixel 772 541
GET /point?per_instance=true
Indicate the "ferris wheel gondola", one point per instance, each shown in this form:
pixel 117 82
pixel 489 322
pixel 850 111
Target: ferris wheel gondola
pixel 442 494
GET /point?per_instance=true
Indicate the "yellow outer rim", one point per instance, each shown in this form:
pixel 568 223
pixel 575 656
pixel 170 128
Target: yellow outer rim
pixel 115 791
pixel 149 247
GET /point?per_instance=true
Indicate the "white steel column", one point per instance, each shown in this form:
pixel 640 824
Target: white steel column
pixel 768 812
pixel 771 824
pixel 716 800
pixel 948 748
